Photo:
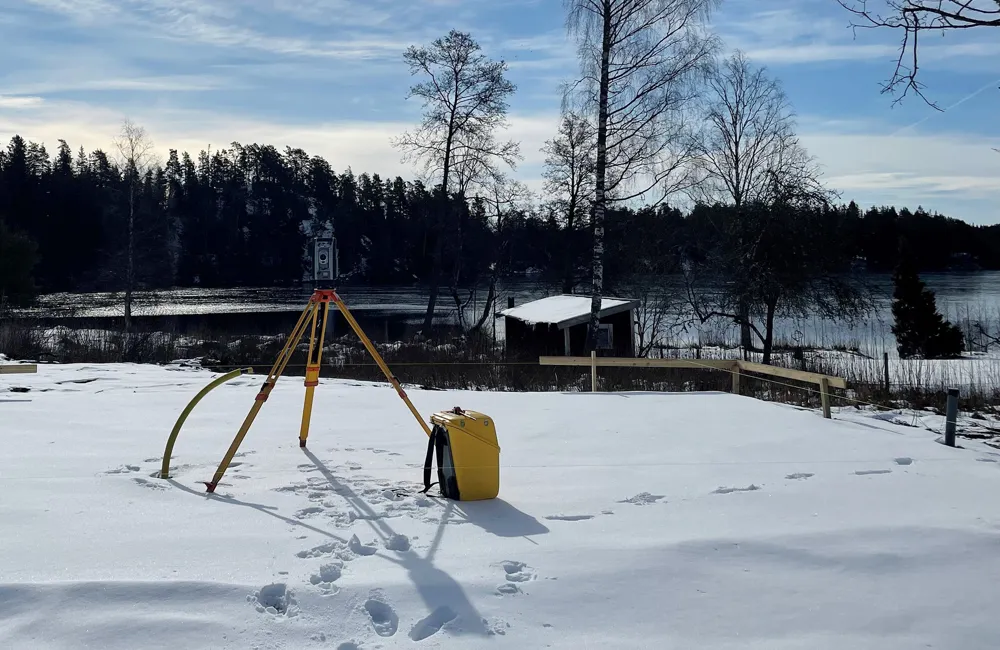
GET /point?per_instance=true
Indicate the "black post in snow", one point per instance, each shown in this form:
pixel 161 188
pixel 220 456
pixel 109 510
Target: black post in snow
pixel 951 417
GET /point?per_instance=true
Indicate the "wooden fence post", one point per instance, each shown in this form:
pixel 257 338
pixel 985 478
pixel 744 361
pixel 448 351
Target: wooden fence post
pixel 593 371
pixel 736 379
pixel 824 390
pixel 885 361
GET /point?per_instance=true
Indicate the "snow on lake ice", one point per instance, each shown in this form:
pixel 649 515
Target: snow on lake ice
pixel 624 521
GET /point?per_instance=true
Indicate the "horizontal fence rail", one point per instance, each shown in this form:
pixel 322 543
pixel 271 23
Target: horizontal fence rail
pixel 736 367
pixel 17 369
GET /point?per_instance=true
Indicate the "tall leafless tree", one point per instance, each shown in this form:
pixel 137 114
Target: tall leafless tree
pixel 504 197
pixel 640 61
pixel 477 160
pixel 136 158
pixel 782 253
pixel 748 139
pixel 748 125
pixel 914 18
pixel 569 179
pixel 464 96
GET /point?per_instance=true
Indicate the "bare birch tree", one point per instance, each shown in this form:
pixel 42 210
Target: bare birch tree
pixel 569 178
pixel 914 18
pixel 748 137
pixel 465 102
pixel 640 63
pixel 748 124
pixel 136 158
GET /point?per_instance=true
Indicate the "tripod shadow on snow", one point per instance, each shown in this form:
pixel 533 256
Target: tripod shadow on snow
pixel 267 510
pixel 439 591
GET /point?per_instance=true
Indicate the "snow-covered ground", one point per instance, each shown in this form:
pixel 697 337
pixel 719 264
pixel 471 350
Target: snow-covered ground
pixel 694 520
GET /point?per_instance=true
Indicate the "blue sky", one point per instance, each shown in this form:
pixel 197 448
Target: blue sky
pixel 328 76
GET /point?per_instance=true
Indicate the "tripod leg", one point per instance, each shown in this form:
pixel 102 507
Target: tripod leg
pixel 265 391
pixel 312 369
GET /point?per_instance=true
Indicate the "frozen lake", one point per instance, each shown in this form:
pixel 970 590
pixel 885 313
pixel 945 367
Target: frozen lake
pixel 394 312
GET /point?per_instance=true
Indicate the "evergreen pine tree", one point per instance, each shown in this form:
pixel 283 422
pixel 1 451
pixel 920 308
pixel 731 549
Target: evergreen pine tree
pixel 919 329
pixel 18 256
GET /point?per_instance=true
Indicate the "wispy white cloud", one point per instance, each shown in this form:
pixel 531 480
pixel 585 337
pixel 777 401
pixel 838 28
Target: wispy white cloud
pixel 276 26
pixel 162 83
pixel 916 186
pixel 19 102
pixel 938 170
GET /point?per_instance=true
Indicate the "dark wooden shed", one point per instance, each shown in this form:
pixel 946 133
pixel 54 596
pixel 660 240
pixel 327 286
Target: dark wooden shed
pixel 557 326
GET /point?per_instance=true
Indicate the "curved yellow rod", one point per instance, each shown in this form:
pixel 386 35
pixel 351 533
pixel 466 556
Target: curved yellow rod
pixel 165 469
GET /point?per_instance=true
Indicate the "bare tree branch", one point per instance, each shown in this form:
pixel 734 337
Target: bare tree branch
pixel 913 17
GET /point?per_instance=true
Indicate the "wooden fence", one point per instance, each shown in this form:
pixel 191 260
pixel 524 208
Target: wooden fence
pixel 736 367
pixel 17 369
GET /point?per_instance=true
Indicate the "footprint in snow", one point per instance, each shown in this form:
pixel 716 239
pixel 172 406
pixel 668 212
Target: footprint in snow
pixel 275 599
pixel 730 490
pixel 328 574
pixel 337 549
pixel 517 571
pixel 799 475
pixel 903 461
pixel 149 484
pixel 987 460
pixel 867 472
pixel 123 469
pixel 305 513
pixel 381 614
pixel 643 498
pixel 361 549
pixel 507 589
pixel 432 623
pixel 496 626
pixel 399 543
pixel 569 517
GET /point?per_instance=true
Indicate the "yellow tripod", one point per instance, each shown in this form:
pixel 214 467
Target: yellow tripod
pixel 313 317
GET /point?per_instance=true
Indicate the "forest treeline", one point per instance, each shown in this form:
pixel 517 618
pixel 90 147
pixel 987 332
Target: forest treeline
pixel 241 216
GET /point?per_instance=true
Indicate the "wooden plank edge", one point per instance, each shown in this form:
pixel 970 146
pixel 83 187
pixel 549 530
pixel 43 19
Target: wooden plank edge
pixel 17 369
pixel 620 362
pixel 797 375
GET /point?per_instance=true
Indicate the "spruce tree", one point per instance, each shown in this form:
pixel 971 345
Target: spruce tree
pixel 18 257
pixel 919 329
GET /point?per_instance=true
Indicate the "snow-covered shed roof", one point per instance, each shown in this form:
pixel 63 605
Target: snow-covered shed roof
pixel 566 311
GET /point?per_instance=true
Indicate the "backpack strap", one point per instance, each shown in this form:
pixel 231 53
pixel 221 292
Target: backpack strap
pixel 429 460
